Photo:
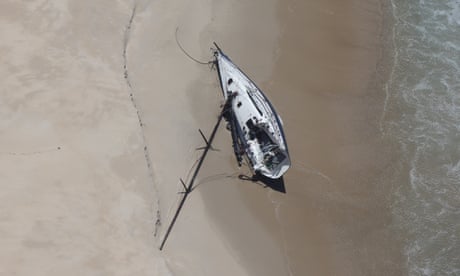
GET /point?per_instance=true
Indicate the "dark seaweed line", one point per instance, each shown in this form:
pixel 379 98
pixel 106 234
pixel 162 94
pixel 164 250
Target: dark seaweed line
pixel 139 118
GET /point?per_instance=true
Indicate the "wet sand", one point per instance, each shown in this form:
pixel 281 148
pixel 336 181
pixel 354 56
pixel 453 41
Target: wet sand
pixel 327 85
pixel 99 117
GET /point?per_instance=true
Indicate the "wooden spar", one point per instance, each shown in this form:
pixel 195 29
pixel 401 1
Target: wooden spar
pixel 189 188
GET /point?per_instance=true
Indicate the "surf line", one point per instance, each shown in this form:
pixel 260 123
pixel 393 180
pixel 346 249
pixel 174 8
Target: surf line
pixel 126 40
pixel 189 188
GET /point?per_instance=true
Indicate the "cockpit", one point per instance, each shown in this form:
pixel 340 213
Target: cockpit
pixel 270 151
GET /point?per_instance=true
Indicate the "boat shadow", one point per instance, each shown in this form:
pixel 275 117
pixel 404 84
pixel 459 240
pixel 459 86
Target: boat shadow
pixel 266 182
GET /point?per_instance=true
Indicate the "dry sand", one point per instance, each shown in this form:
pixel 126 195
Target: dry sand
pixel 79 191
pixel 99 118
pixel 76 194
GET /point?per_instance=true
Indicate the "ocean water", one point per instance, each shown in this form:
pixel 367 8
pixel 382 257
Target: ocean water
pixel 422 113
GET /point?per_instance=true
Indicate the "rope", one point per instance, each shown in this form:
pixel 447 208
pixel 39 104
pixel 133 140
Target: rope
pixel 187 54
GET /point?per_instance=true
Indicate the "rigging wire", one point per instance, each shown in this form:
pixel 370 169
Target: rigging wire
pixel 187 54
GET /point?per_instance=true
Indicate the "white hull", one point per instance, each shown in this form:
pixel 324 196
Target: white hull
pixel 257 126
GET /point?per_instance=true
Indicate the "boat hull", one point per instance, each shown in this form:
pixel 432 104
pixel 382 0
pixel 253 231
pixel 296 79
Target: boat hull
pixel 257 129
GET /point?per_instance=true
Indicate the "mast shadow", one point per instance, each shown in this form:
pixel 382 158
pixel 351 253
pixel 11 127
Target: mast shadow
pixel 274 184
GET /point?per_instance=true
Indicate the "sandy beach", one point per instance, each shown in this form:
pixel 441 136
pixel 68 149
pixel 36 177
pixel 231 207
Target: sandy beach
pixel 100 112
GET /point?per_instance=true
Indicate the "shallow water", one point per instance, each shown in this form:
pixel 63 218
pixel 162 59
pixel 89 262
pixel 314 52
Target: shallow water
pixel 424 90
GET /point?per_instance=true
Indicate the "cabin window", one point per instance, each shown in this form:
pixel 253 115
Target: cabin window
pixel 239 104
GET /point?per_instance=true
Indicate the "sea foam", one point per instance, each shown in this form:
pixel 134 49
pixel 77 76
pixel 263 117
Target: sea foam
pixel 425 86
